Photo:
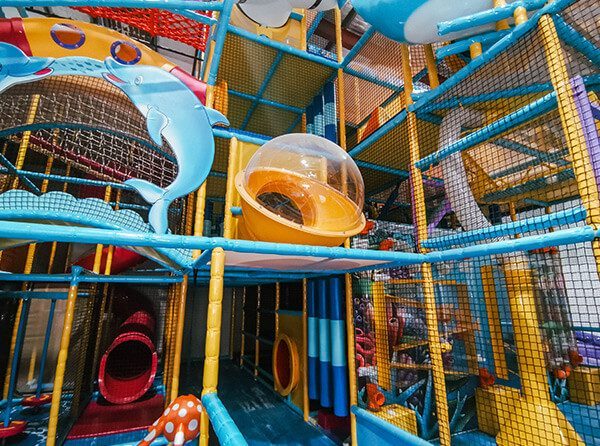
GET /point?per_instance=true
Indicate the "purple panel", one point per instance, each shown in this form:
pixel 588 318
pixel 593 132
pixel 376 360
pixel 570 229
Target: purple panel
pixel 588 123
pixel 439 215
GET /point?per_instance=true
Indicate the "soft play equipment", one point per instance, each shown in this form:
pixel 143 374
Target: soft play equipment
pixel 128 366
pixel 535 401
pixel 275 13
pixel 301 188
pixel 327 373
pixel 417 21
pixel 179 423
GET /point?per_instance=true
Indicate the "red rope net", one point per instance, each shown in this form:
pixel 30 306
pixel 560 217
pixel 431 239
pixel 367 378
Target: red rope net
pixel 157 23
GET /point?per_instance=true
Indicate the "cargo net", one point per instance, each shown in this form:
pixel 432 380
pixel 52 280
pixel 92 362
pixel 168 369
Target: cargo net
pixel 157 23
pixel 511 329
pixel 258 330
pixel 78 385
pixel 101 130
pixel 268 90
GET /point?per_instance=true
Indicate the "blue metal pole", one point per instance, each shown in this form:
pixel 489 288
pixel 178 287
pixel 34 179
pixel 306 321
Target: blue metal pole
pixel 378 134
pixel 510 121
pixel 220 132
pixel 38 390
pixel 313 340
pixel 225 429
pixel 15 359
pixel 262 89
pixel 493 15
pixel 539 223
pixel 49 233
pixel 260 100
pixel 398 172
pixel 574 39
pixel 339 364
pixel 220 37
pixel 283 47
pixel 324 345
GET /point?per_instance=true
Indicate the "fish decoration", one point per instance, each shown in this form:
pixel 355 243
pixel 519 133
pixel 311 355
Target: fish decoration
pixel 181 120
pixel 18 68
pixel 173 114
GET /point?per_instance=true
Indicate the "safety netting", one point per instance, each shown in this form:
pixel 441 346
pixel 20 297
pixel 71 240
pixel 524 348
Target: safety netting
pixel 158 23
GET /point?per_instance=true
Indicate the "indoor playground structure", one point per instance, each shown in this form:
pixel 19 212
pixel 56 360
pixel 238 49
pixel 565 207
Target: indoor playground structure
pixel 299 222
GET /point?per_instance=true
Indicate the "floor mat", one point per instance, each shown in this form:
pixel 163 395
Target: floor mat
pixel 103 418
pixel 261 415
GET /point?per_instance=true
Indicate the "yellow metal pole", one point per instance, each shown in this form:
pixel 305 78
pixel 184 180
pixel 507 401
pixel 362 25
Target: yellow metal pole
pixel 242 345
pixel 179 338
pixel 572 126
pixel 232 323
pixel 305 399
pixel 493 317
pixel 61 365
pixel 257 332
pixel 347 277
pixel 351 352
pixel 475 50
pixel 215 295
pixel 501 25
pixel 24 145
pixel 169 339
pixel 416 178
pixel 534 417
pixel 340 77
pixel 213 332
pixel 20 161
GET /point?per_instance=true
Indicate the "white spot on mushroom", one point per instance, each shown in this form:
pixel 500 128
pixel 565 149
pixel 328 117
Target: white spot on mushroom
pixel 182 413
pixel 169 427
pixel 190 404
pixel 193 425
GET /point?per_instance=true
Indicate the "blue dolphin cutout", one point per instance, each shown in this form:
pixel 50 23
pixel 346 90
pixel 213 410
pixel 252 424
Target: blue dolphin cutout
pixel 16 67
pixel 174 113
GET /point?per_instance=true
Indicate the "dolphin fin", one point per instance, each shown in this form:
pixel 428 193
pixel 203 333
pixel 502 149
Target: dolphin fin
pixel 149 192
pixel 158 216
pixel 19 64
pixel 156 121
pixel 215 117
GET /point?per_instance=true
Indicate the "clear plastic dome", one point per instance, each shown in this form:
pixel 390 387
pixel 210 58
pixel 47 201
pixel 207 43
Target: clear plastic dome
pixel 308 181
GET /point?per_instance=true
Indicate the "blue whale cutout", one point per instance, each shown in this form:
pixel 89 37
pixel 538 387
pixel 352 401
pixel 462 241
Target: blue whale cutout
pixel 172 112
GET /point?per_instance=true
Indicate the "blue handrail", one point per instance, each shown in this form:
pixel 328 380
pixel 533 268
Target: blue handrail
pixel 226 430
